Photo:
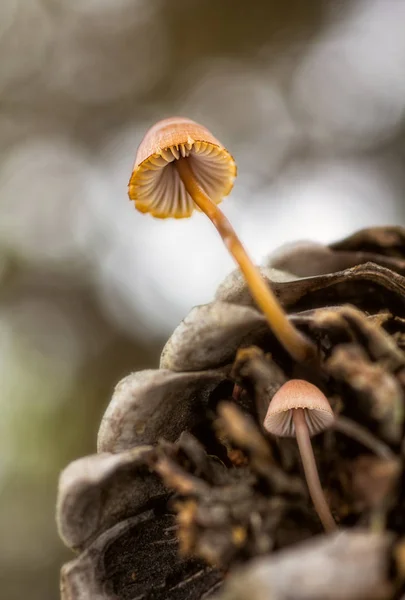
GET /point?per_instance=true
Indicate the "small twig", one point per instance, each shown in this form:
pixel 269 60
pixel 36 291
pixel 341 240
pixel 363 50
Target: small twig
pixel 363 436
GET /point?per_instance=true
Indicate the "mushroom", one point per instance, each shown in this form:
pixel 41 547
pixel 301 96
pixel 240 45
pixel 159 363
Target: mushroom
pixel 299 409
pixel 180 165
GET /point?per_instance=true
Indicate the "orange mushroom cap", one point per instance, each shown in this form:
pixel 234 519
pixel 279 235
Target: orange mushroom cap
pixel 155 185
pixel 298 393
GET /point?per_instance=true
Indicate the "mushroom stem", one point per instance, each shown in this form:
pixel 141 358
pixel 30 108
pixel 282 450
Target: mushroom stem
pixel 293 341
pixel 311 471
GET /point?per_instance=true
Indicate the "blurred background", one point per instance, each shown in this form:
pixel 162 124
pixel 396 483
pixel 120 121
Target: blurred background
pixel 310 99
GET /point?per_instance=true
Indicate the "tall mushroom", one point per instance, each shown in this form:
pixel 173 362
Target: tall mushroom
pixel 299 409
pixel 181 165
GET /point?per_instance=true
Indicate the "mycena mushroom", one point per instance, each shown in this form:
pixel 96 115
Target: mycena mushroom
pixel 179 166
pixel 299 409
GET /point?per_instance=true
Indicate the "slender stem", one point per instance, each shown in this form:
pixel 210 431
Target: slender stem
pixel 293 341
pixel 311 471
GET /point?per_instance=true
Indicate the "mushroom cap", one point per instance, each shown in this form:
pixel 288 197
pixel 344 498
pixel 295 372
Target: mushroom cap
pixel 298 393
pixel 155 185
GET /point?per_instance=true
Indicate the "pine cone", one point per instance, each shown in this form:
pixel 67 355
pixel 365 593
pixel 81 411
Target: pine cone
pixel 187 487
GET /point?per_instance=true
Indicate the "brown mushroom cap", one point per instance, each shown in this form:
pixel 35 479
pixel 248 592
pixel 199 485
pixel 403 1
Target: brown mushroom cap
pixel 298 393
pixel 155 185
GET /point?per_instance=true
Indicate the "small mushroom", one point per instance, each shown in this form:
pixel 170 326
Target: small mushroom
pixel 181 165
pixel 299 409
